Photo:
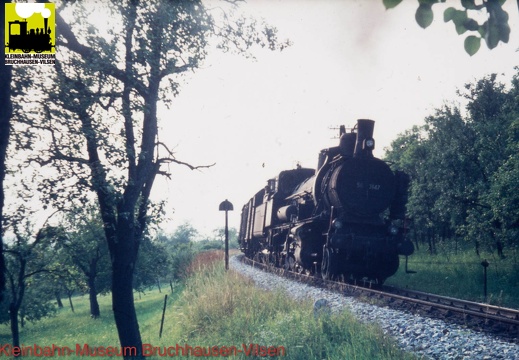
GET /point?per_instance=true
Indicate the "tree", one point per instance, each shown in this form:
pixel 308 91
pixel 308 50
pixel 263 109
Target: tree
pixel 493 30
pixel 184 234
pixel 85 247
pixel 37 302
pixel 5 117
pixel 152 265
pixel 464 168
pixel 67 280
pixel 101 121
pixel 503 196
pixel 26 258
pixel 217 240
pixel 69 284
pixel 492 111
pixel 409 152
pixel 180 251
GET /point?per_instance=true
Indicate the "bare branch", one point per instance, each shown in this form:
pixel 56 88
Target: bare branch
pixel 192 167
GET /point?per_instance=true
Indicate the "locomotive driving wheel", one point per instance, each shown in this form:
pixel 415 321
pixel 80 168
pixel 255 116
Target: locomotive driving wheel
pixel 328 264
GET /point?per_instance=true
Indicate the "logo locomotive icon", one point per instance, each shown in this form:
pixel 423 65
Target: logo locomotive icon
pixel 29 28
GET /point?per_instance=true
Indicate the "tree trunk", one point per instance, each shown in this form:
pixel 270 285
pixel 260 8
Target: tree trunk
pixel 429 242
pixel 70 301
pixel 58 299
pixel 123 304
pixel 500 248
pixel 13 318
pixel 5 117
pixel 123 251
pixel 92 293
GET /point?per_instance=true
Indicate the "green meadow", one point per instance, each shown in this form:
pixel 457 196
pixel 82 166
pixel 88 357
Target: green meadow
pixel 460 274
pixel 216 313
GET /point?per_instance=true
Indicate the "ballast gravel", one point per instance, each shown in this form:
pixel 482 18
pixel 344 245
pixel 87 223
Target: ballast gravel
pixel 428 338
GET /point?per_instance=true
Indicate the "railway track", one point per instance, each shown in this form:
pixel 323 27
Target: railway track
pixel 498 321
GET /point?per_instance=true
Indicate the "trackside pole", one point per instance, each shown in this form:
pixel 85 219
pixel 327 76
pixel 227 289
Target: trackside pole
pixel 485 264
pixel 163 314
pixel 226 206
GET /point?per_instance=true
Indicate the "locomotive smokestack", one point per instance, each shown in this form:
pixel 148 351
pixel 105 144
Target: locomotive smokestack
pixel 365 142
pixel 45 23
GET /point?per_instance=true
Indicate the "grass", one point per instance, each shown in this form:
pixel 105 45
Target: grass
pixel 219 310
pixel 69 329
pixel 223 308
pixel 460 274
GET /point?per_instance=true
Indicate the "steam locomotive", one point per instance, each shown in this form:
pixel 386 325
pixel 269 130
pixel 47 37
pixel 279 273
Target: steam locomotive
pixel 345 220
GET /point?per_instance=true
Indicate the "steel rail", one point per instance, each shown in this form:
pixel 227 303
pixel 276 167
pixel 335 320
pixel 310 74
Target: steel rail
pixel 492 311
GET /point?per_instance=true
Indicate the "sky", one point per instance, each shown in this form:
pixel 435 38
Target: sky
pixel 348 60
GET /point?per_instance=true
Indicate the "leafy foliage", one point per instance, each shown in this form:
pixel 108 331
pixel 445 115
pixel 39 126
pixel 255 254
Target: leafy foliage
pixel 493 30
pixel 180 250
pixel 464 168
pixel 152 265
pixel 27 259
pixel 85 253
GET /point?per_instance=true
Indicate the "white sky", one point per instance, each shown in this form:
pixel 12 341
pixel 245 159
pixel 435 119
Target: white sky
pixel 349 60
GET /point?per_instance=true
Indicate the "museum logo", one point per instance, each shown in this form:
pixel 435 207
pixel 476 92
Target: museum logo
pixel 30 35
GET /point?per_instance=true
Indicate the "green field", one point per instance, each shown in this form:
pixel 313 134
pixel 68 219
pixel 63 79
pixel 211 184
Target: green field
pixel 222 313
pixel 460 275
pixel 68 329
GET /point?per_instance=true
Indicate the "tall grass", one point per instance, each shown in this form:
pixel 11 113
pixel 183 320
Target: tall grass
pixel 218 308
pixel 460 274
pixel 226 309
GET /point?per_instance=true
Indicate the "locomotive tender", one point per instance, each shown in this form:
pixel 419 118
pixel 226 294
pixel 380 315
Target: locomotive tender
pixel 345 220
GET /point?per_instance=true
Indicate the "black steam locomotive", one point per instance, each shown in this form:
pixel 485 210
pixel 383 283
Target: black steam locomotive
pixel 345 220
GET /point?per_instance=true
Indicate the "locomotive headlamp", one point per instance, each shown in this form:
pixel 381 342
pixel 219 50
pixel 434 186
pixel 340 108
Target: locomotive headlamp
pixel 337 224
pixel 393 230
pixel 369 143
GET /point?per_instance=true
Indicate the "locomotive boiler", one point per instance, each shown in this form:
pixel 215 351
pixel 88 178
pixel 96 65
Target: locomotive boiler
pixel 346 219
